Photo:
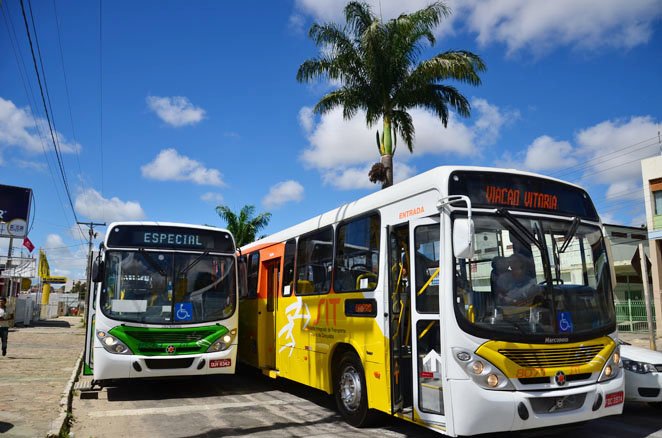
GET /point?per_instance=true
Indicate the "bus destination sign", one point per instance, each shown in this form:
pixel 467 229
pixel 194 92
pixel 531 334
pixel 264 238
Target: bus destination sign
pixel 169 237
pixel 518 198
pixel 521 192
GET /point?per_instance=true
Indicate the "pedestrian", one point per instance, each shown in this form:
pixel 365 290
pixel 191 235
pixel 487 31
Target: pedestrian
pixel 4 324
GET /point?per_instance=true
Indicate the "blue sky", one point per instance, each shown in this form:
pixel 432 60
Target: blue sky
pixel 171 108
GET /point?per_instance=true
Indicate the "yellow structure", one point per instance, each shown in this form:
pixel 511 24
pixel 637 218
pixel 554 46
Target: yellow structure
pixel 43 270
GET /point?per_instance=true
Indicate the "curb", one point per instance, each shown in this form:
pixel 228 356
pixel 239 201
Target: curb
pixel 59 425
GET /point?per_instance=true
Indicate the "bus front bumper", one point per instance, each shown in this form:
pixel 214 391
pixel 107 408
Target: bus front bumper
pixel 482 411
pixel 120 366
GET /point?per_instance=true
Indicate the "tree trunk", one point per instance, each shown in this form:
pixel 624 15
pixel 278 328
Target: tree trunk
pixel 387 162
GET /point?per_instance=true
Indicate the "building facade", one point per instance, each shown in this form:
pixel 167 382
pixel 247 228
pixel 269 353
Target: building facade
pixel 651 169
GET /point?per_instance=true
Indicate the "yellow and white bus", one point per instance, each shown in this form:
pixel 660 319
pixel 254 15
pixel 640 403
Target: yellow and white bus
pixel 467 300
pixel 164 303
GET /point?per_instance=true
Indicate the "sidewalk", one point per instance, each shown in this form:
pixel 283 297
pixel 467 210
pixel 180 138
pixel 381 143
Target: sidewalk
pixel 640 339
pixel 35 373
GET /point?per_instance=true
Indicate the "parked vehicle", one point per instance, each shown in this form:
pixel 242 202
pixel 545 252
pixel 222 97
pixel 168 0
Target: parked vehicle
pixel 643 374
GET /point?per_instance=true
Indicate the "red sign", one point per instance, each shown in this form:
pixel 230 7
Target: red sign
pixel 615 398
pixel 426 375
pixel 220 363
pixel 28 244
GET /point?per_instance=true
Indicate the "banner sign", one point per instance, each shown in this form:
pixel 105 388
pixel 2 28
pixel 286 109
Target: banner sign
pixel 54 280
pixel 14 211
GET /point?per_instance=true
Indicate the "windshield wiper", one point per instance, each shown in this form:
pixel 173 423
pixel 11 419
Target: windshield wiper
pixel 192 264
pixel 570 234
pixel 148 258
pixel 518 228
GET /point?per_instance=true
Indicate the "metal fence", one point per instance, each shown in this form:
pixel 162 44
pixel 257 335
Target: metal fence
pixel 631 316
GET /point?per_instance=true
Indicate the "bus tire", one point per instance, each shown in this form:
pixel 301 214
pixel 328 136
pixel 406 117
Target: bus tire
pixel 350 391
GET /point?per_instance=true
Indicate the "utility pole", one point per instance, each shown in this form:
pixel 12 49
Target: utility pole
pixel 88 271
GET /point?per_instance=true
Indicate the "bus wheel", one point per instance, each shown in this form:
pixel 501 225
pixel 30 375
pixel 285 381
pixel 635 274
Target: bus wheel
pixel 351 392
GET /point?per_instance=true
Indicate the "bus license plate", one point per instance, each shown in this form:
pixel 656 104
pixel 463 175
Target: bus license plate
pixel 220 363
pixel 614 398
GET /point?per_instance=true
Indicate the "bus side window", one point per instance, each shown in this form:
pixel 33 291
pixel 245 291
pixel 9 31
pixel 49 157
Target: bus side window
pixel 314 261
pixel 288 267
pixel 357 254
pixel 253 267
pixel 243 277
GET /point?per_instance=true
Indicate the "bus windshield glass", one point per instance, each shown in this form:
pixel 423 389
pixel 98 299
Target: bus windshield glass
pixel 168 287
pixel 534 279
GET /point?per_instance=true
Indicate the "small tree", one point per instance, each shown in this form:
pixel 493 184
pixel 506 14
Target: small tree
pixel 243 226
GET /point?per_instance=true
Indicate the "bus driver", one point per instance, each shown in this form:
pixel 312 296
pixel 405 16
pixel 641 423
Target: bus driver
pixel 517 286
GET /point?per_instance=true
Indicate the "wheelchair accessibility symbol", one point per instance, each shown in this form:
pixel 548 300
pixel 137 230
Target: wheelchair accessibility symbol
pixel 565 322
pixel 184 311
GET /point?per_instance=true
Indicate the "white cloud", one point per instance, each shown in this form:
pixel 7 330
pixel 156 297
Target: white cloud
pixel 65 260
pixel 335 141
pixel 170 166
pixel 333 11
pixel 212 198
pixel 92 205
pixel 354 178
pixel 31 165
pixel 283 192
pixel 490 120
pixel 307 118
pixel 613 150
pixel 607 153
pixel 18 129
pixel 344 149
pixel 545 153
pixel 296 23
pixel 176 111
pixel 540 26
pixel 522 24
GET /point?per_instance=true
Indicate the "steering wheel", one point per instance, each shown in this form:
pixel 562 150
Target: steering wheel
pixel 360 266
pixel 557 280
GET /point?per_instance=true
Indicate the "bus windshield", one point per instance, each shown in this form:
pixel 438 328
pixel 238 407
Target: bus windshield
pixel 532 279
pixel 168 287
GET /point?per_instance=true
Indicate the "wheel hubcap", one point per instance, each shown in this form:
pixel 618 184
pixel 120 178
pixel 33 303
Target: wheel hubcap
pixel 350 388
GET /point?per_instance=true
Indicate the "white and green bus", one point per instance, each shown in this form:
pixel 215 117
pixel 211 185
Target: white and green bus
pixel 163 303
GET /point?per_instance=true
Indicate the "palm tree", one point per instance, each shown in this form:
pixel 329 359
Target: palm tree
pixel 244 227
pixel 376 65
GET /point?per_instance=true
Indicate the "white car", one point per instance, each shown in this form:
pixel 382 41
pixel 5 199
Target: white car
pixel 643 374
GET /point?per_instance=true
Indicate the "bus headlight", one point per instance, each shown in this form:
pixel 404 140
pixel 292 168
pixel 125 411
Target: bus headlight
pixel 613 366
pixel 482 372
pixel 111 344
pixel 224 342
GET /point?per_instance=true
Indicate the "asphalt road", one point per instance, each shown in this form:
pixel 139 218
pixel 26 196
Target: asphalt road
pixel 249 404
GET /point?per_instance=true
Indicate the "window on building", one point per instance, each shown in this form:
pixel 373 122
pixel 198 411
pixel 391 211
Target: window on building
pixel 658 202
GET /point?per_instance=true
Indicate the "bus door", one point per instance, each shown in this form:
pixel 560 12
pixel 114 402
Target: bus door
pixel 90 310
pixel 400 319
pixel 271 275
pixel 424 263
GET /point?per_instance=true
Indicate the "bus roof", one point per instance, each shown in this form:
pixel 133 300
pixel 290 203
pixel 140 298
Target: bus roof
pixel 436 178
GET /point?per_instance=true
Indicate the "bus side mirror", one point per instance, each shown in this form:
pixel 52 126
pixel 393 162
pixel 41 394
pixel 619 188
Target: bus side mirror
pixel 97 270
pixel 463 238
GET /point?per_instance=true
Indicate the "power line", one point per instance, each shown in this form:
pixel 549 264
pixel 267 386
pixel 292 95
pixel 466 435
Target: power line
pixel 48 118
pixel 66 87
pixel 29 92
pixel 585 164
